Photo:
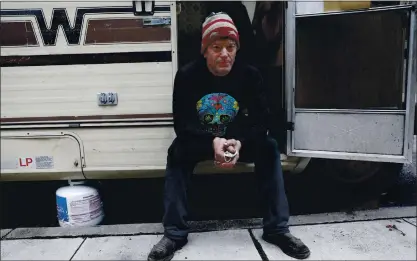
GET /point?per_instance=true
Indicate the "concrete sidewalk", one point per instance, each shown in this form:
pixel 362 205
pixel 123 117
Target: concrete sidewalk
pixel 354 240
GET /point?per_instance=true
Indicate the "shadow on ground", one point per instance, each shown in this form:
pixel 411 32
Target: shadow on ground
pixel 212 197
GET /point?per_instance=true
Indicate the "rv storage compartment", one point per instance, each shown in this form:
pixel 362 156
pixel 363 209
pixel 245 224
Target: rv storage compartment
pixel 40 155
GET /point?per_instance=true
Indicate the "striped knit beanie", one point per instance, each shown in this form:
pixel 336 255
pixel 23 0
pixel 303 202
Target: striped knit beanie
pixel 218 25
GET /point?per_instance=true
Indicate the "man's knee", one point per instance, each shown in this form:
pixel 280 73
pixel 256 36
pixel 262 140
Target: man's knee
pixel 176 152
pixel 267 145
pixel 185 152
pixel 263 147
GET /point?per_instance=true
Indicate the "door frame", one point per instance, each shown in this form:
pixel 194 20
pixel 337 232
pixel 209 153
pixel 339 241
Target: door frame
pixel 290 69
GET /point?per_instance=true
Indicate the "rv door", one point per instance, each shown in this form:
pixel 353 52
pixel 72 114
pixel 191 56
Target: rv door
pixel 350 81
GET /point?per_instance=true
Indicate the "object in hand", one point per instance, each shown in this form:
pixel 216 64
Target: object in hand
pixel 228 156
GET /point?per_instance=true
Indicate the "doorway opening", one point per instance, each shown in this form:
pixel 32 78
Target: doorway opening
pixel 260 27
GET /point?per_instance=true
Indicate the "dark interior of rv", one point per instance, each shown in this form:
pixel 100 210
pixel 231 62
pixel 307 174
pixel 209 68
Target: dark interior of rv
pixel 352 61
pixel 261 39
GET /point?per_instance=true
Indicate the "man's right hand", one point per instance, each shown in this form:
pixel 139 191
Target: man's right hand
pixel 219 148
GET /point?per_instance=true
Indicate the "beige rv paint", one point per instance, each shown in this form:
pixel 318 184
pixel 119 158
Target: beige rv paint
pixel 101 153
pixel 71 90
pixel 99 148
pixel 41 155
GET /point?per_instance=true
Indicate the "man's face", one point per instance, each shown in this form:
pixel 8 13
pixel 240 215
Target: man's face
pixel 220 56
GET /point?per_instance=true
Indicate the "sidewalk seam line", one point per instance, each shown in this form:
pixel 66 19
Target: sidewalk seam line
pixel 258 246
pixel 86 236
pixel 78 248
pixel 409 222
pixel 93 235
pixel 7 233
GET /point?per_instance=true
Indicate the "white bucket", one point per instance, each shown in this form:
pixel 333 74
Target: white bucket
pixel 79 206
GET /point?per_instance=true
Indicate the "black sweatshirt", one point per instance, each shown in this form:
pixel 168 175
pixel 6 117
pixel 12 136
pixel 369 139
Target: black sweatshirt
pixel 207 106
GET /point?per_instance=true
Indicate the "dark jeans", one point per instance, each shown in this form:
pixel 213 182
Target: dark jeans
pixel 183 157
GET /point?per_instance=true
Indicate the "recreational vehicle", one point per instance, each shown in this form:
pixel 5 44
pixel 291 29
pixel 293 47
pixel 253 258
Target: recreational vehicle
pixel 86 87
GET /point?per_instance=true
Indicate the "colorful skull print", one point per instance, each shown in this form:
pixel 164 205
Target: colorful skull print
pixel 216 111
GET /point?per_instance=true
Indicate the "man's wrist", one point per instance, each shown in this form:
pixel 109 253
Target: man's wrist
pixel 216 140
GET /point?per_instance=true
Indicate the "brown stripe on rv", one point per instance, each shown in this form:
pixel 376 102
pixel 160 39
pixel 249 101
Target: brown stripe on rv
pixel 124 30
pixel 88 117
pixel 17 33
pixel 87 58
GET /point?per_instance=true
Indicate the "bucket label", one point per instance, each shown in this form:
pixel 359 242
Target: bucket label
pixel 61 206
pixel 85 209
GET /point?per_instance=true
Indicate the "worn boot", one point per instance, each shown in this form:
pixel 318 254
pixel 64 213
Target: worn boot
pixel 164 250
pixel 289 244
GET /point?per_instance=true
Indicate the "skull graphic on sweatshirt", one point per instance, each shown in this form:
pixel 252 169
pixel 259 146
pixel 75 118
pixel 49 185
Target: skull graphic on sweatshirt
pixel 216 111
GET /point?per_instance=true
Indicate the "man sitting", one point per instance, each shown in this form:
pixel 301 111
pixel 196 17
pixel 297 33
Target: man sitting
pixel 220 114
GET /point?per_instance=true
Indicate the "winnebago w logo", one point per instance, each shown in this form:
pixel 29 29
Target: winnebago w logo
pixel 60 18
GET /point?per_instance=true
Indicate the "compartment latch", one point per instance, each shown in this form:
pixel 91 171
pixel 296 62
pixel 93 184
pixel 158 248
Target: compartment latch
pixel 142 8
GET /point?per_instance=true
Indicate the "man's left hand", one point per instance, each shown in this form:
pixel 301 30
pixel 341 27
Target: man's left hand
pixel 232 146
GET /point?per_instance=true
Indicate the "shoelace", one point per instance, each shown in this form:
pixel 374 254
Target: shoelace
pixel 164 244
